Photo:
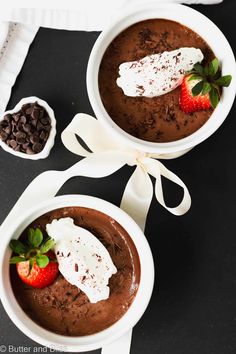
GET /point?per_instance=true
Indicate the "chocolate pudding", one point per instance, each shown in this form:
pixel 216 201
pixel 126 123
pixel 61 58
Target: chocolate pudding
pixel 158 119
pixel 61 307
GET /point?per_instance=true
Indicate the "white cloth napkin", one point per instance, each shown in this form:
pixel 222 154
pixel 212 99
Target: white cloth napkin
pixel 89 15
pixel 13 52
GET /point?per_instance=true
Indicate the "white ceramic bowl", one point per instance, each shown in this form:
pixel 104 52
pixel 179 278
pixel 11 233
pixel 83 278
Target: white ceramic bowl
pixel 198 23
pixel 95 341
pixel 51 138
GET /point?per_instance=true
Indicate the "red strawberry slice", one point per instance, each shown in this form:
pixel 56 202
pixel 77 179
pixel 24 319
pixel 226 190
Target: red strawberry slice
pixel 188 102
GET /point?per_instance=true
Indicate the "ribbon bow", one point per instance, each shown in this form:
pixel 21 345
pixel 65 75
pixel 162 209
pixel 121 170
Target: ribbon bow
pixel 106 156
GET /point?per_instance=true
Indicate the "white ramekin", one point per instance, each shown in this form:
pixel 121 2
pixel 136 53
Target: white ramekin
pixel 95 341
pixel 51 138
pixel 198 23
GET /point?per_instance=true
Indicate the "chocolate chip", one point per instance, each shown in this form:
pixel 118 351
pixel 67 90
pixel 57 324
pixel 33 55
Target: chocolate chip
pixel 20 135
pixel 29 110
pixel 13 143
pixel 2 125
pixel 45 120
pixel 33 123
pixel 20 140
pixel 3 135
pixel 37 147
pixel 47 128
pixel 16 117
pixel 8 129
pixel 35 114
pixel 43 135
pixel 17 148
pixel 7 118
pixel 34 139
pixel 25 107
pixel 22 119
pixel 25 146
pixel 27 128
pixel 40 126
pixel 29 151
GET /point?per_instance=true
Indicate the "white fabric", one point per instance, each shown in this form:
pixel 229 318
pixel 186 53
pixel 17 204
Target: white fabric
pixel 107 155
pixel 12 56
pixel 89 15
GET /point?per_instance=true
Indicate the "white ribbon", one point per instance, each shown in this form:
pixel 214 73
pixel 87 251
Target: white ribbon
pixel 107 155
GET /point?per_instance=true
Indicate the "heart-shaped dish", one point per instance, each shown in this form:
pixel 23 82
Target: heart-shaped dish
pixel 51 138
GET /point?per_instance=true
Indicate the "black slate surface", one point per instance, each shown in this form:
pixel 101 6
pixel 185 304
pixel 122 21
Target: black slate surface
pixel 193 308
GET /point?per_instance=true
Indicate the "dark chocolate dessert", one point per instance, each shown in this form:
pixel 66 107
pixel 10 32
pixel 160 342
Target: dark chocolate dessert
pixel 61 307
pixel 156 119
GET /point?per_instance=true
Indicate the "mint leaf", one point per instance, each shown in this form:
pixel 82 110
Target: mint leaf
pixel 213 67
pixel 206 88
pixel 47 246
pixel 17 247
pixel 197 89
pixel 224 81
pixel 199 69
pixel 42 261
pixel 37 237
pixel 16 259
pixel 214 97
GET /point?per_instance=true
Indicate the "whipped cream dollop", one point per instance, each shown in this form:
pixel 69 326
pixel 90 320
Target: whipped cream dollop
pixel 157 74
pixel 82 258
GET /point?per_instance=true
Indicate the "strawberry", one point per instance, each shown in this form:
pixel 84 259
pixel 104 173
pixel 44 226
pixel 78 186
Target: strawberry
pixel 190 103
pixel 201 88
pixel 36 264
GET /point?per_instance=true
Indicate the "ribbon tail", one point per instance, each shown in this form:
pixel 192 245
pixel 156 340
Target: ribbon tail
pixel 47 184
pixel 137 196
pixel 91 132
pixel 157 169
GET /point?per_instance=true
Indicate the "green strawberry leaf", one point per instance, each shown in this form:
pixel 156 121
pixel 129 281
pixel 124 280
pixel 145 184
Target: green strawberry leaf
pixel 199 69
pixel 213 67
pixel 217 75
pixel 47 246
pixel 224 81
pixel 197 89
pixel 16 259
pixel 206 70
pixel 37 237
pixel 206 88
pixel 31 236
pixel 214 97
pixel 17 247
pixel 31 261
pixel 195 77
pixel 42 261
